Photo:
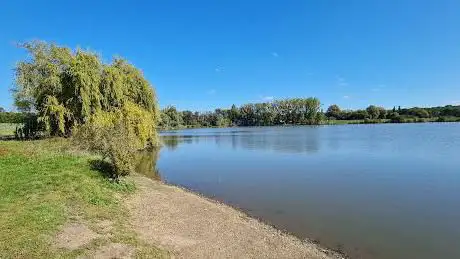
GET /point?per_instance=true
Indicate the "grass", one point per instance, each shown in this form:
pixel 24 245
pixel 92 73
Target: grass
pixel 342 122
pixel 7 129
pixel 43 186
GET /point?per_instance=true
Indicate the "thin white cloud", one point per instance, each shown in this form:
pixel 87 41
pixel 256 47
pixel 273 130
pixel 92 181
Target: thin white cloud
pixel 265 98
pixel 211 92
pixel 341 81
pixel 268 98
pixel 346 97
pixel 455 102
pixel 275 54
pixel 219 69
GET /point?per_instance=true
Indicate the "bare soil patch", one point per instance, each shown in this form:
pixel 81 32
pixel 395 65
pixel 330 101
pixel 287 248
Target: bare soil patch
pixel 191 226
pixel 74 235
pixel 3 152
pixel 104 226
pixel 115 250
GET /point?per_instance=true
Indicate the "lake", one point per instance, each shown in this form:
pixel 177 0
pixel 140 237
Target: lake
pixel 373 191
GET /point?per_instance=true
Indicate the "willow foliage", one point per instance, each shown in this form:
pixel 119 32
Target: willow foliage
pixel 69 88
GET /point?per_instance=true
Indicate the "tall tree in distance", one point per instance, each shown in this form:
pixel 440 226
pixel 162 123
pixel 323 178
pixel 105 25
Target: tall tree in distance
pixel 171 118
pixel 334 111
pixel 373 111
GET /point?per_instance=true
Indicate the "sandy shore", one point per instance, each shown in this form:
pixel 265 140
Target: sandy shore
pixel 191 226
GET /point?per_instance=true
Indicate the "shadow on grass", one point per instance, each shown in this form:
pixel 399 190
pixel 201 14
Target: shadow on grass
pixel 105 168
pixel 7 137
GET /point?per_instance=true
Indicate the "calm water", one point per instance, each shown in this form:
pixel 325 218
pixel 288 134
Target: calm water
pixel 374 191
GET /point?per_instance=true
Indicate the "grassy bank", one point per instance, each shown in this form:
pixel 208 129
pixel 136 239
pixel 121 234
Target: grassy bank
pixel 43 187
pixel 401 120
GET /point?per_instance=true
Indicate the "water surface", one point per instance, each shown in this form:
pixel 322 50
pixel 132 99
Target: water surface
pixel 374 191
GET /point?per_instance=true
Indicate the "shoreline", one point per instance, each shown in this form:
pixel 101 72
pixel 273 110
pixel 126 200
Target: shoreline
pixel 326 123
pixel 336 252
pixel 226 219
pixel 138 217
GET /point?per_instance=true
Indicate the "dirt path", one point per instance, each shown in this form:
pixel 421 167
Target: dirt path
pixel 194 227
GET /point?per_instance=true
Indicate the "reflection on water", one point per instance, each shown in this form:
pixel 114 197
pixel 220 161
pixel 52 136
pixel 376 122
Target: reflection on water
pixel 147 163
pixel 376 191
pixel 171 142
pixel 261 138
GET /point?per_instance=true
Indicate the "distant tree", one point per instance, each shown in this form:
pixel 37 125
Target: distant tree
pixel 2 109
pixel 382 113
pixel 418 112
pixel 373 111
pixel 165 120
pixel 171 118
pixel 234 114
pixel 334 111
pixel 247 115
pixel 189 118
pixel 448 110
pixel 358 115
pixel 221 121
pixel 394 117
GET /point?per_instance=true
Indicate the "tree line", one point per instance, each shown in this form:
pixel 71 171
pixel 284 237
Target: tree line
pixel 414 114
pixel 12 117
pixel 300 111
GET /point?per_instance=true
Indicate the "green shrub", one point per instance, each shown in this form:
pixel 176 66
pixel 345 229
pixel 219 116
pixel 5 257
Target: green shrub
pixel 112 143
pixel 117 136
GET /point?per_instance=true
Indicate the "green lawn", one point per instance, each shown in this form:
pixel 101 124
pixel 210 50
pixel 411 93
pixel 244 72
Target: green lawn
pixel 43 186
pixel 7 129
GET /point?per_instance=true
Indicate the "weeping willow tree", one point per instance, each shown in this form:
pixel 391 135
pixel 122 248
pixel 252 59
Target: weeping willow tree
pixel 73 90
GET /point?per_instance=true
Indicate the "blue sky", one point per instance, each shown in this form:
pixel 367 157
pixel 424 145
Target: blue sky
pixel 201 55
